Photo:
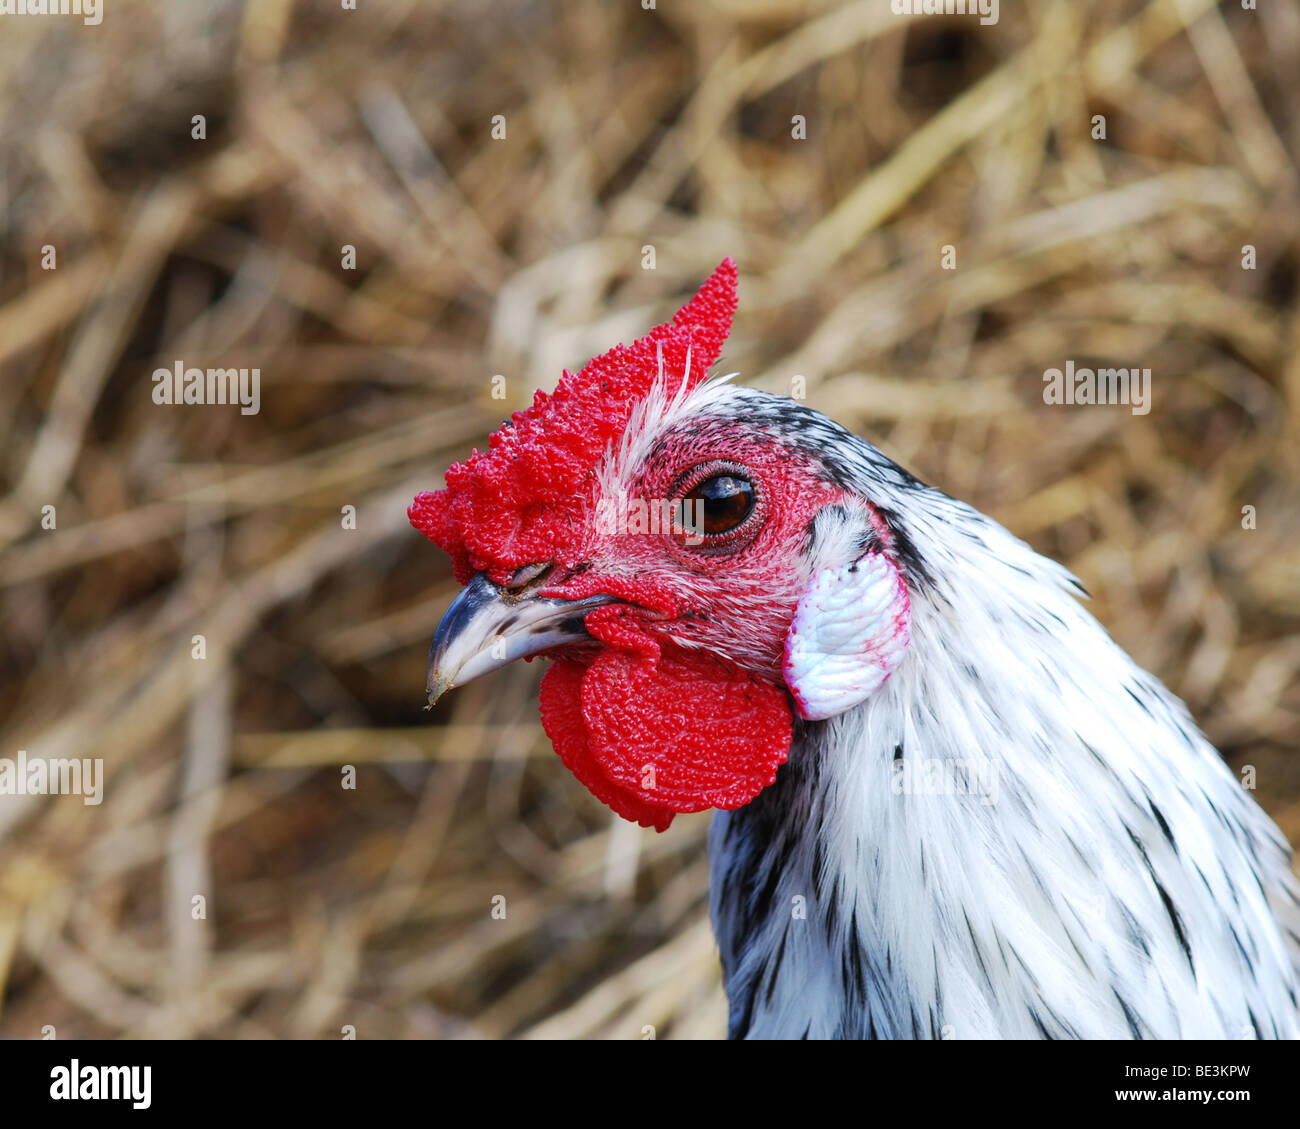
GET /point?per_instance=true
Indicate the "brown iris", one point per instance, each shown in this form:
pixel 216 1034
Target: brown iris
pixel 720 503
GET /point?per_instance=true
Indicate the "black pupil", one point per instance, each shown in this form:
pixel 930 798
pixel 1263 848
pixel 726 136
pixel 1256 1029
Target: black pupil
pixel 720 503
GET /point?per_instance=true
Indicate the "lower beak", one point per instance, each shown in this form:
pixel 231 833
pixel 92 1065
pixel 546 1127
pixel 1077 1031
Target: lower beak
pixel 488 626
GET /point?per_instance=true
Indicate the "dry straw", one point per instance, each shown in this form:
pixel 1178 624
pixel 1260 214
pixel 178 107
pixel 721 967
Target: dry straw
pixel 371 907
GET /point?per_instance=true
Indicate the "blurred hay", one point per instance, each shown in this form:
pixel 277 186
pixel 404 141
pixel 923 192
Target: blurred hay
pixel 372 907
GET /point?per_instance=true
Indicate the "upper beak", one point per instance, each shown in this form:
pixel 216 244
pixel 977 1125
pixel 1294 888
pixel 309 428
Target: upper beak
pixel 488 626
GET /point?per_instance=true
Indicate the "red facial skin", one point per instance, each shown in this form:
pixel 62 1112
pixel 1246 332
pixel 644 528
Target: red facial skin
pixel 734 595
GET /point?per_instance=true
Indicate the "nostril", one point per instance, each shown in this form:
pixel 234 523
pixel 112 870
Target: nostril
pixel 528 575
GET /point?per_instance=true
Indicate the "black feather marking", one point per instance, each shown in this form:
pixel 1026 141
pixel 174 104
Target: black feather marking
pixel 913 564
pixel 855 987
pixel 1172 910
pixel 1033 980
pixel 1078 851
pixel 1129 1017
pixel 868 542
pixel 832 912
pixel 1142 850
pixel 810 530
pixel 761 908
pixel 938 988
pixel 853 953
pixel 1038 878
pixel 774 965
pixel 1135 931
pixel 1236 937
pixel 1140 703
pixel 1104 764
pixel 1164 825
pixel 979 955
pixel 738 1028
pixel 1177 921
pixel 1083 960
pixel 1210 889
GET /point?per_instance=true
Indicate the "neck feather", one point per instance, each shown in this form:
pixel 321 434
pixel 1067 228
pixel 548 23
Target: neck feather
pixel 1021 834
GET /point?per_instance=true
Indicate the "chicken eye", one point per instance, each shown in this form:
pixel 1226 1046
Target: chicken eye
pixel 719 504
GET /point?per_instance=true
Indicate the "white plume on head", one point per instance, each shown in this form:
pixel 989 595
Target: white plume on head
pixel 669 403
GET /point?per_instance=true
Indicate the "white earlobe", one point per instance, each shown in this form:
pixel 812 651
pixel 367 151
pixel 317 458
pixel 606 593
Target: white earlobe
pixel 850 631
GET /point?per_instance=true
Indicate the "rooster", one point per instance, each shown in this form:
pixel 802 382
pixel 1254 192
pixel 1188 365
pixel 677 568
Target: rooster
pixel 950 806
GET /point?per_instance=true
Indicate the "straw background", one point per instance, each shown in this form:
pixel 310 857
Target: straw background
pixel 476 257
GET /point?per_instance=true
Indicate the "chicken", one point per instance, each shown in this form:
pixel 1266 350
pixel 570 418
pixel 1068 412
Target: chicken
pixel 950 806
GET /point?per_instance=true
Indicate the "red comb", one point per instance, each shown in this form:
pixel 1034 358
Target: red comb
pixel 515 503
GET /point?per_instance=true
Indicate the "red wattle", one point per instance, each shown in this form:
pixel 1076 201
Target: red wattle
pixel 652 732
pixel 565 725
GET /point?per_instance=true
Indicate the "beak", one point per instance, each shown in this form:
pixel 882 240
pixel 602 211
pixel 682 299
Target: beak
pixel 488 626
